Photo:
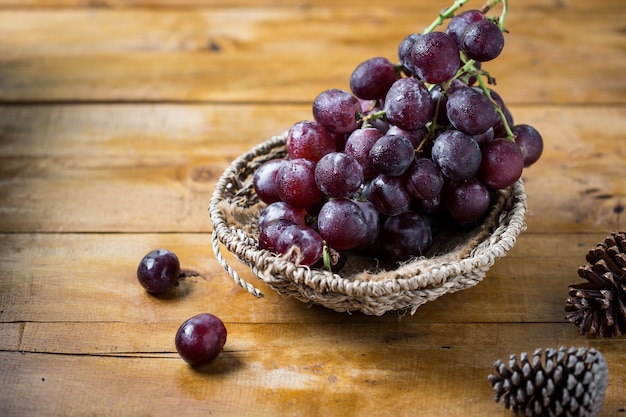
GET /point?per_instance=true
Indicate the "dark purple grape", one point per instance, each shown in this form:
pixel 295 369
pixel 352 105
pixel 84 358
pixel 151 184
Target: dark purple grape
pixel 456 154
pixel 405 236
pixel 372 78
pixel 415 136
pixel 200 339
pixel 389 195
pixel 358 146
pixel 282 211
pixel 530 141
pixel 439 100
pixel 264 181
pixel 404 53
pixel 482 41
pixel 458 23
pixel 372 222
pixel 424 179
pixel 428 207
pixel 270 232
pixel 341 223
pixel 466 201
pixel 392 155
pixel 301 244
pixel 502 164
pixel 338 174
pixel 295 183
pixel 408 104
pixel 470 111
pixel 435 57
pixel 337 110
pixel 159 271
pixel 309 140
pixel 484 138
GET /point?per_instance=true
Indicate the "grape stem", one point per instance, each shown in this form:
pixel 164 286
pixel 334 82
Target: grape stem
pixel 490 4
pixel 445 14
pixel 449 12
pixel 326 257
pixel 373 116
pixel 509 133
pixel 467 68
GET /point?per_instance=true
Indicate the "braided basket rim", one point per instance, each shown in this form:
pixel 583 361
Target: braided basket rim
pixel 407 287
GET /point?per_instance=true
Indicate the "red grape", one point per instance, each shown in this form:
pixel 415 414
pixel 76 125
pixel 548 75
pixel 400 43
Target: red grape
pixel 467 201
pixel 392 155
pixel 406 235
pixel 342 224
pixel 404 53
pixel 456 154
pixel 158 271
pixel 482 41
pixel 530 141
pixel 372 78
pixel 200 339
pixel 338 175
pixel 308 139
pixel 264 181
pixel 302 244
pixel 337 110
pixel 408 104
pixel 282 211
pixel 470 111
pixel 458 24
pixel 389 195
pixel 435 57
pixel 358 146
pixel 424 179
pixel 502 164
pixel 270 232
pixel 295 183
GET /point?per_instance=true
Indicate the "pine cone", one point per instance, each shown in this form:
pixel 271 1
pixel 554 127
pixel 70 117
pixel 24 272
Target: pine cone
pixel 598 306
pixel 572 382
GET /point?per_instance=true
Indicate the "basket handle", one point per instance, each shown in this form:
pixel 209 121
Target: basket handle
pixel 230 271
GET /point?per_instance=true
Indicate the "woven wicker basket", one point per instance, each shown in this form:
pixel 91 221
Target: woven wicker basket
pixel 455 262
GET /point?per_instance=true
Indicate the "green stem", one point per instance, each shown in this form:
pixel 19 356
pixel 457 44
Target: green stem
pixel 490 4
pixel 445 14
pixel 373 116
pixel 503 16
pixel 326 257
pixel 509 133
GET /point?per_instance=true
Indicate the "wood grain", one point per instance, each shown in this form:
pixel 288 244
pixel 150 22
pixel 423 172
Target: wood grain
pixel 283 54
pixel 89 168
pixel 116 120
pixel 438 369
pixel 99 283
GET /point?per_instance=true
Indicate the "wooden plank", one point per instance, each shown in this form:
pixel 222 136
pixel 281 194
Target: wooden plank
pixel 579 5
pixel 81 168
pixel 292 370
pixel 148 55
pixel 98 283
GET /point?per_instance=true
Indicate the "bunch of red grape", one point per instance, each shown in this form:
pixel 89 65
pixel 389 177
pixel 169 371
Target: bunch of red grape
pixel 414 145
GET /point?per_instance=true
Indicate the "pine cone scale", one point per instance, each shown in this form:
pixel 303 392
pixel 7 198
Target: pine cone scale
pixel 568 382
pixel 597 306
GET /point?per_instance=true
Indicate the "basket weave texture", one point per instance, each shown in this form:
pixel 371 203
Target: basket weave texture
pixel 456 261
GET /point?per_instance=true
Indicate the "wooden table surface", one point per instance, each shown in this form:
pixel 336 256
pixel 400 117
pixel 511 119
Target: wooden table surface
pixel 116 119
